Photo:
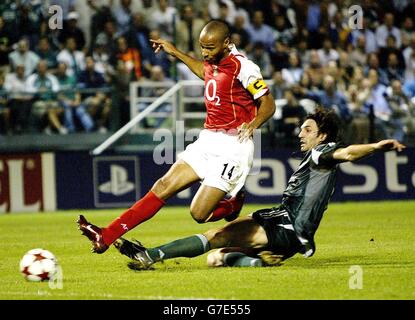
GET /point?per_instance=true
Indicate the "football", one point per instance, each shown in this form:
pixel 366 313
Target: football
pixel 38 265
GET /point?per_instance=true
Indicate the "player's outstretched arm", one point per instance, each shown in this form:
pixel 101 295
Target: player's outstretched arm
pixel 357 151
pixel 195 65
pixel 265 111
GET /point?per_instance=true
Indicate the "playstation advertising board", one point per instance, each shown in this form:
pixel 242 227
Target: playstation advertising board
pixel 77 180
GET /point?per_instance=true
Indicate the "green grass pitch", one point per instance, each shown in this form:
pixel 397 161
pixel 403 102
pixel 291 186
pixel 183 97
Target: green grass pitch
pixel 378 237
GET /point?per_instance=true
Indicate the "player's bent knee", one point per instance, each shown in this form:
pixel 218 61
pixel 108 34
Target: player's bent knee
pixel 162 188
pixel 198 217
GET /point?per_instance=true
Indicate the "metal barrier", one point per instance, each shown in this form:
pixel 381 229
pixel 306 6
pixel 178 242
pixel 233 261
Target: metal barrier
pixel 180 95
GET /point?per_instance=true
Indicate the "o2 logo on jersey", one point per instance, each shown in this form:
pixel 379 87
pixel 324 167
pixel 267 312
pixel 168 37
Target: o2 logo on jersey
pixel 210 91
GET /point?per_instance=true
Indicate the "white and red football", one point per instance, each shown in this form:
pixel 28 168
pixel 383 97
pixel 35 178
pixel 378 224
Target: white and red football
pixel 38 265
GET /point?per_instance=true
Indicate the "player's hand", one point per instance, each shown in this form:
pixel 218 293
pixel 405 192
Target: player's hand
pixel 270 259
pixel 161 44
pixel 245 132
pixel 389 144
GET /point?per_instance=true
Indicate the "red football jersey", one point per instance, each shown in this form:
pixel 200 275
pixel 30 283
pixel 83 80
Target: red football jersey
pixel 231 88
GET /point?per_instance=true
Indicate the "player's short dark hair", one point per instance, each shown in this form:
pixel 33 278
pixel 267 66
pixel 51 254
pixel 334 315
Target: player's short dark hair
pixel 327 122
pixel 220 26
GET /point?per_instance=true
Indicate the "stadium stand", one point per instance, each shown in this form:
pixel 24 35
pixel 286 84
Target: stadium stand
pixel 309 50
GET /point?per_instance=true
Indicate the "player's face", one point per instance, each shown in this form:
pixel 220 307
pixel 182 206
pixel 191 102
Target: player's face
pixel 213 48
pixel 309 135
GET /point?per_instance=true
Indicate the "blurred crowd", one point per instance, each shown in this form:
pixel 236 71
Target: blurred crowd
pixel 60 80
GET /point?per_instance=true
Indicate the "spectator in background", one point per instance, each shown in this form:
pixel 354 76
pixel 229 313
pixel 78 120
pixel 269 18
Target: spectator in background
pixel 237 41
pixel 331 98
pixel 51 34
pixel 279 87
pixel 45 52
pixel 239 27
pixel 122 15
pixel 371 44
pixel 108 37
pixel 407 31
pixel 5 47
pixel 70 98
pixel 292 74
pixel 282 31
pixel 258 31
pixel 102 59
pixel 4 109
pixel 392 70
pixel 222 9
pixel 121 82
pixel 102 14
pixel 360 126
pixel 400 110
pixel 97 101
pixel 71 30
pixel 157 75
pixel 188 30
pixel 327 53
pixel 387 29
pixel 28 23
pixel 8 12
pixel 279 56
pixel 261 57
pixel 315 70
pixel 378 102
pixel 340 75
pixel 373 63
pixel 74 59
pixel 19 102
pixel 301 47
pixel 388 49
pixel 241 10
pixel 409 56
pixel 315 18
pixel 163 19
pixel 149 6
pixel 130 56
pixel 46 110
pixel 24 56
pixel 224 13
pixel 293 114
pixel 357 53
pixel 409 88
pixel 161 59
pixel 138 34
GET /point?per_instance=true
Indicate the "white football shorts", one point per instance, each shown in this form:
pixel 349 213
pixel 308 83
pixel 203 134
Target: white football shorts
pixel 220 160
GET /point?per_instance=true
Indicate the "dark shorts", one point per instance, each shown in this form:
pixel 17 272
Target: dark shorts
pixel 282 239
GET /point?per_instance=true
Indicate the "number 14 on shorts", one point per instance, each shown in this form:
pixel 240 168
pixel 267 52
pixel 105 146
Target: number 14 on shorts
pixel 227 171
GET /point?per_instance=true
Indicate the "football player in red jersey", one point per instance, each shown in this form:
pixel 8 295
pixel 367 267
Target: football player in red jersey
pixel 237 101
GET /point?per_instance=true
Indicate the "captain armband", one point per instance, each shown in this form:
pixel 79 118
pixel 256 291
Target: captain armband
pixel 257 86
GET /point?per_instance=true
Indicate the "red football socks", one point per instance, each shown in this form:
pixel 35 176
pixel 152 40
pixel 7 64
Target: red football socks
pixel 224 208
pixel 142 210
